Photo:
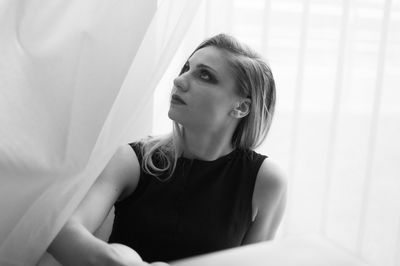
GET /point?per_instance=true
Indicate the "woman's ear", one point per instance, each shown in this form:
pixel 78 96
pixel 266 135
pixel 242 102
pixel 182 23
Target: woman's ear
pixel 242 108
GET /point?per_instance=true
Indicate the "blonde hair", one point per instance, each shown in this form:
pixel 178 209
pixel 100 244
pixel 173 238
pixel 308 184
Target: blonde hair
pixel 254 80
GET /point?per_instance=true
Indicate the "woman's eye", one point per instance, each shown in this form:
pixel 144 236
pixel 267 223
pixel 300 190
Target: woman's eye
pixel 205 75
pixel 185 68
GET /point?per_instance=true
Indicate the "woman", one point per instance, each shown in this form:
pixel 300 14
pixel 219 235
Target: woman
pixel 201 188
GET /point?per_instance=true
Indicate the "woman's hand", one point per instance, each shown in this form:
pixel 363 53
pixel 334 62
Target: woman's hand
pixel 127 256
pixel 159 263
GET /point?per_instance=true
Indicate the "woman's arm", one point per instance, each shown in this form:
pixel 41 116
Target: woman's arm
pixel 269 200
pixel 75 244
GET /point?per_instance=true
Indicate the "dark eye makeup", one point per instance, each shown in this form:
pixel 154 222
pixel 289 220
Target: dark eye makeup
pixel 205 75
pixel 184 68
pixel 200 72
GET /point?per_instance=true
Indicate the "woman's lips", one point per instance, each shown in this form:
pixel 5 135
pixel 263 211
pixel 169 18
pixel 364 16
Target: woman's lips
pixel 176 99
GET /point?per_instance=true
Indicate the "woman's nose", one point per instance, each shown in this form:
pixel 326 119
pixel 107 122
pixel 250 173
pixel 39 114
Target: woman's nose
pixel 181 83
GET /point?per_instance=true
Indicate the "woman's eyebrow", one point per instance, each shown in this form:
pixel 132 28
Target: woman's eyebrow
pixel 208 67
pixel 202 65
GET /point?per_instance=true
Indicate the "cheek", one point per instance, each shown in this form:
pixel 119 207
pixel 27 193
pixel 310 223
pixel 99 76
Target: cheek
pixel 213 106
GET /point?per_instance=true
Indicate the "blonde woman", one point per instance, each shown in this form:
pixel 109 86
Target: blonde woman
pixel 201 188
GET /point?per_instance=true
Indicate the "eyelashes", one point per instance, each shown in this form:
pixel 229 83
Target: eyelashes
pixel 200 72
pixel 185 68
pixel 205 75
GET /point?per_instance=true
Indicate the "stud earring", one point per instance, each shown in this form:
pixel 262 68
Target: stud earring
pixel 236 113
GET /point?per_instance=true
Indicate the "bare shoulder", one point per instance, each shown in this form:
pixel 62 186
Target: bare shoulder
pixel 270 187
pixel 268 203
pixel 271 174
pixel 123 170
pixel 270 179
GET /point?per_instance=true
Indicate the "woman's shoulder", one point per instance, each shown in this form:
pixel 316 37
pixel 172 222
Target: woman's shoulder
pixel 124 168
pixel 253 155
pixel 140 146
pixel 271 181
pixel 251 159
pixel 137 147
pixel 151 143
pixel 268 202
pixel 271 171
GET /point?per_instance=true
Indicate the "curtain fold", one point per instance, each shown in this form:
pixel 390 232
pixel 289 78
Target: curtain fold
pixel 75 79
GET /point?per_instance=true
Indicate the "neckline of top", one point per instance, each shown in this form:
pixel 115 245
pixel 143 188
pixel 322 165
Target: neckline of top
pixel 223 157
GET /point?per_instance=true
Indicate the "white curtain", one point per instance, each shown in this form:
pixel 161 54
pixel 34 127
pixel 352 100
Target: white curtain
pixel 76 80
pixel 337 70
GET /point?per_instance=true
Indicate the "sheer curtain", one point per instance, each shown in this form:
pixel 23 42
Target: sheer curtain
pixel 335 133
pixel 76 80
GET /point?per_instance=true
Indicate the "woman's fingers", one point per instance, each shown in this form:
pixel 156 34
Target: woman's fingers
pixel 125 253
pixel 131 257
pixel 159 263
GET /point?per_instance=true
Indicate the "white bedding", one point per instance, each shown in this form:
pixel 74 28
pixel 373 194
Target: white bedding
pixel 290 251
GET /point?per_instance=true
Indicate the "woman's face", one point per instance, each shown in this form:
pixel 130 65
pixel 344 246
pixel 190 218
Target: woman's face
pixel 203 96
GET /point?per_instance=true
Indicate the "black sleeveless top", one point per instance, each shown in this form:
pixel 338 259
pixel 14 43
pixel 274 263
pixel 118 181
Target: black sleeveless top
pixel 204 207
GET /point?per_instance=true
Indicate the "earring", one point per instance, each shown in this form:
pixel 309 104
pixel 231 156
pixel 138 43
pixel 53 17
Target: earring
pixel 236 113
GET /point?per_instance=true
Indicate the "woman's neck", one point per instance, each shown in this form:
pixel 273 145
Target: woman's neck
pixel 206 146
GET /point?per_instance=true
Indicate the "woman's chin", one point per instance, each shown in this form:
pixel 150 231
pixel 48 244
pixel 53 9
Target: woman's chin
pixel 172 114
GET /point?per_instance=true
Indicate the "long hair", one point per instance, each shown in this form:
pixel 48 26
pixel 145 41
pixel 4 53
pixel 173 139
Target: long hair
pixel 254 80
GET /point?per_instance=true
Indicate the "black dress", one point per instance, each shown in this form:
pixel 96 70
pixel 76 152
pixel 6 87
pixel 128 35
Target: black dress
pixel 204 207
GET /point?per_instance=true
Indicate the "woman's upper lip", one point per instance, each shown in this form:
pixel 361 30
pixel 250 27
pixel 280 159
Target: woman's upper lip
pixel 176 97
